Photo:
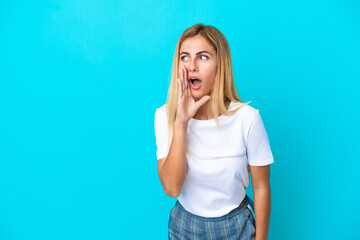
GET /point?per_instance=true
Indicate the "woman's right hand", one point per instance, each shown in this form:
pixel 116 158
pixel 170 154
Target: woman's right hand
pixel 186 105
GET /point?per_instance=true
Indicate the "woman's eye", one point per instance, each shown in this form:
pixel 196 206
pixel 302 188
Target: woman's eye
pixel 185 58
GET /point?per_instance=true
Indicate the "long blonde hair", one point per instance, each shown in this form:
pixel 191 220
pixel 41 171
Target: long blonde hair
pixel 224 86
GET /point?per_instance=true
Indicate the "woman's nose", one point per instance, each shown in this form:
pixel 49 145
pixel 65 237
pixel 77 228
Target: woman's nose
pixel 192 65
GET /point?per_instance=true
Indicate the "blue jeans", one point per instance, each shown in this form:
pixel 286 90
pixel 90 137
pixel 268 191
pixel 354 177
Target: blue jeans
pixel 237 224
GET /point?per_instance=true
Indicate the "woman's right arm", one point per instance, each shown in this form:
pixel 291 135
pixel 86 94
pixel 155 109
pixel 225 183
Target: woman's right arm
pixel 172 169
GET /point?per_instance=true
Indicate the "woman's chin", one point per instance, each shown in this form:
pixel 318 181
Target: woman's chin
pixel 197 97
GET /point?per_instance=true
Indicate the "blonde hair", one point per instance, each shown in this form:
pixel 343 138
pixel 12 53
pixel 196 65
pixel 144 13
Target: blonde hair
pixel 224 86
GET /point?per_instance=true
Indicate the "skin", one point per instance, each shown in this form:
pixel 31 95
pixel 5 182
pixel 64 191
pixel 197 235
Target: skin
pixel 194 103
pixel 197 59
pixel 262 199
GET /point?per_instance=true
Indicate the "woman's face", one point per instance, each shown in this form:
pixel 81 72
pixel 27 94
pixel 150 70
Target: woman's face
pixel 200 60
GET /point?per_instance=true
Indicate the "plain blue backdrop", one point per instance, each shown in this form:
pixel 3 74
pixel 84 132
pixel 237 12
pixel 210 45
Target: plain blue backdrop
pixel 80 82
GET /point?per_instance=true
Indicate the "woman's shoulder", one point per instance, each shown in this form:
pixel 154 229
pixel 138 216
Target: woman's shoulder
pixel 246 109
pixel 162 108
pixel 246 112
pixel 161 111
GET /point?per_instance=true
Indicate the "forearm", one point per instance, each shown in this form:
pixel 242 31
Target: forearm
pixel 262 205
pixel 174 169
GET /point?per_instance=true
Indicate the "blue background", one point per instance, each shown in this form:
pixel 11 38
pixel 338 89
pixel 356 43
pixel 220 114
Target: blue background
pixel 80 82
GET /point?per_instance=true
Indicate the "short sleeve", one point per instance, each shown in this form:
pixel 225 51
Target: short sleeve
pixel 161 133
pixel 257 143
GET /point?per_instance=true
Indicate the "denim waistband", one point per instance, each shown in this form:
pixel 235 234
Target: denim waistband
pixel 232 213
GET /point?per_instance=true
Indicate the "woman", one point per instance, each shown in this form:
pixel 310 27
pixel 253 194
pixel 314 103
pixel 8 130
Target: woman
pixel 207 142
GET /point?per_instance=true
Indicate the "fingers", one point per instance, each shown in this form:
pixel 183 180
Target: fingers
pixel 185 78
pixel 182 77
pixel 188 87
pixel 182 84
pixel 203 100
pixel 179 87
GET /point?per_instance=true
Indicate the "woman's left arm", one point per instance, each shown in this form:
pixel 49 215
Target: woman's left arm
pixel 260 177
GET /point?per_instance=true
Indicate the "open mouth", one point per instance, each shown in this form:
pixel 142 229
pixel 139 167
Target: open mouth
pixel 195 83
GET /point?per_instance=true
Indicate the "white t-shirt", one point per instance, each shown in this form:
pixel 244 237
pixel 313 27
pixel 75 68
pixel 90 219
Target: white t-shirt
pixel 218 170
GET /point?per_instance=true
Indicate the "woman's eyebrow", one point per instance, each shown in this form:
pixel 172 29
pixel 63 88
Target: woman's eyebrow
pixel 196 53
